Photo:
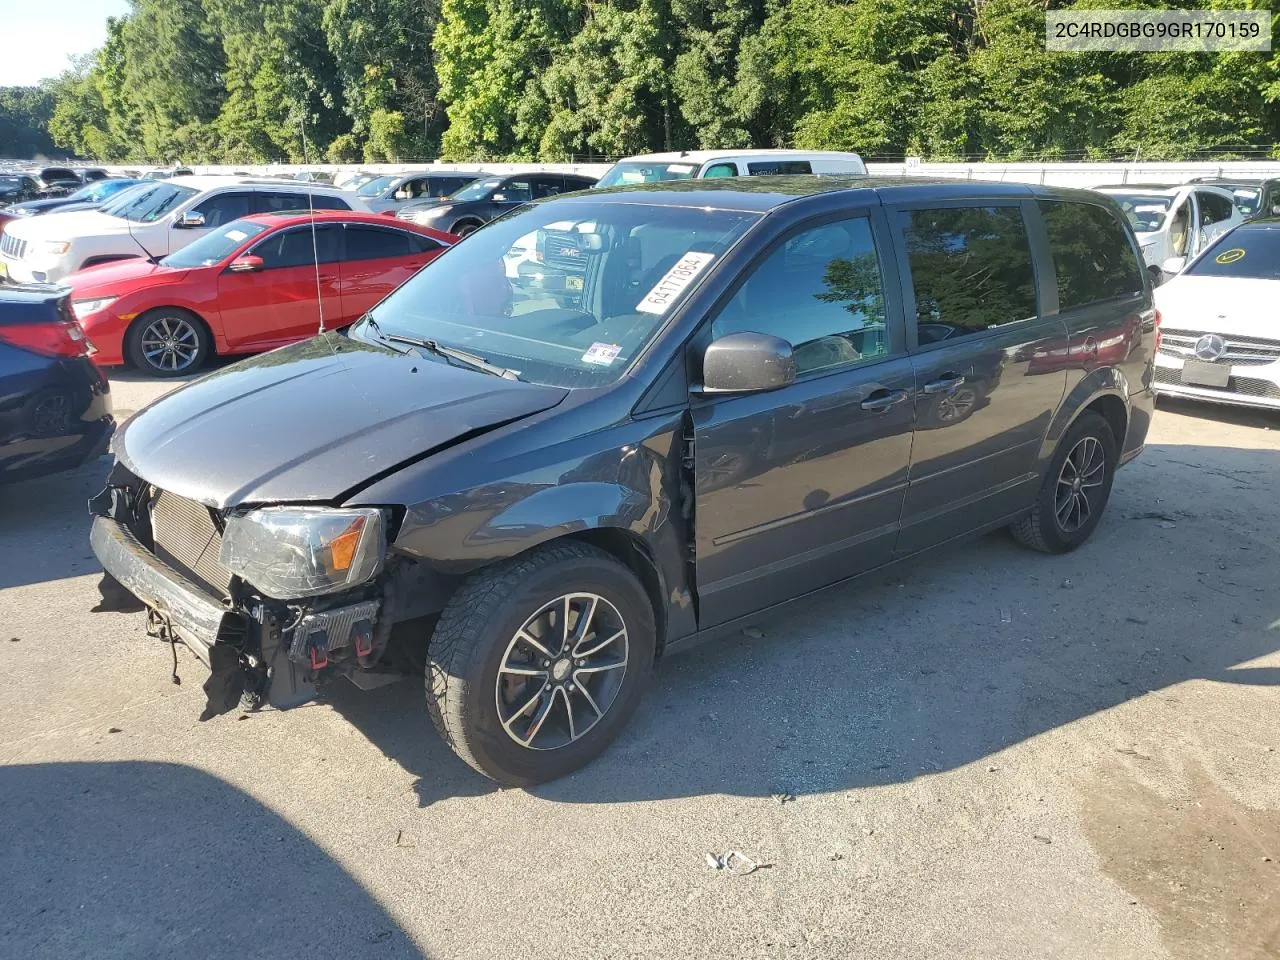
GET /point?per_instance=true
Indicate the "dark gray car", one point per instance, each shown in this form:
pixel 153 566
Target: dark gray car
pixel 477 203
pixel 764 387
pixel 392 193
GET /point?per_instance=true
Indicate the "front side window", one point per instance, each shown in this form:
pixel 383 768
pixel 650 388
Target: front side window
pixel 578 317
pixel 514 191
pixel 1214 208
pixel 971 270
pixel 1248 200
pixel 822 292
pixel 1092 255
pixel 299 247
pixel 223 208
pixel 480 190
pixel 214 246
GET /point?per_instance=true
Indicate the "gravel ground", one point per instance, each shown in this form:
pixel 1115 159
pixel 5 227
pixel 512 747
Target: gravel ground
pixel 987 754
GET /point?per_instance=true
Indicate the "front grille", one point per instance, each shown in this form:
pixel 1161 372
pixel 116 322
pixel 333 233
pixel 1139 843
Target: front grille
pixel 562 250
pixel 1248 386
pixel 1241 351
pixel 12 247
pixel 187 539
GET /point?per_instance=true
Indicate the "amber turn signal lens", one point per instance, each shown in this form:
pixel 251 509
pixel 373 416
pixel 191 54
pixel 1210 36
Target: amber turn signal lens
pixel 342 548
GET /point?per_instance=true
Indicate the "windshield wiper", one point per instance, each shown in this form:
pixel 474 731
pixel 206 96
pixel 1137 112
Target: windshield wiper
pixel 449 353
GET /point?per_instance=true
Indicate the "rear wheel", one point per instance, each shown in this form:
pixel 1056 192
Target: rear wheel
pixel 1075 491
pixel 538 662
pixel 168 342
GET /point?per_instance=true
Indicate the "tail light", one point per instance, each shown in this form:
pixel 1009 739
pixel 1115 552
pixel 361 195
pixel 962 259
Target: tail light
pixel 62 339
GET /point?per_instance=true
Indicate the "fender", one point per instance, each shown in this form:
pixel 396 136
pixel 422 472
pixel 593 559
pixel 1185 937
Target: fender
pixel 1102 382
pixel 630 492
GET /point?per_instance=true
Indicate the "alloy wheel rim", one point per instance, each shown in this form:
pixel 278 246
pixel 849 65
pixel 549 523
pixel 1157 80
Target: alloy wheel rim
pixel 561 671
pixel 1080 481
pixel 170 343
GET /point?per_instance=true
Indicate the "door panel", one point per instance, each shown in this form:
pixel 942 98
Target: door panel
pixel 279 304
pixel 798 488
pixel 983 403
pixel 803 486
pixel 375 262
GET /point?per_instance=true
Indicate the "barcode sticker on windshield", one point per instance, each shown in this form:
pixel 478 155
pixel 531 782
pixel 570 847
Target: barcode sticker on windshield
pixel 681 167
pixel 236 235
pixel 678 278
pixel 602 353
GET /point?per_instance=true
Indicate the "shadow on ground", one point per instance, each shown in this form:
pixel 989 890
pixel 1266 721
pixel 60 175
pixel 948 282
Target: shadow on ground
pixel 133 860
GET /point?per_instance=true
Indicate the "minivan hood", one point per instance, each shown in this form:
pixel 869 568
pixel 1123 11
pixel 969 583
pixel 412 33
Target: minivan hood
pixel 313 422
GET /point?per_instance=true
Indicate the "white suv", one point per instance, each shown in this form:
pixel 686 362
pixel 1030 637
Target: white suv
pixel 1173 224
pixel 149 221
pixel 702 164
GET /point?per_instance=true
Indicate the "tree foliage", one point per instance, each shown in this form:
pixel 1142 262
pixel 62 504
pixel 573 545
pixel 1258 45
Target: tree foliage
pixel 245 81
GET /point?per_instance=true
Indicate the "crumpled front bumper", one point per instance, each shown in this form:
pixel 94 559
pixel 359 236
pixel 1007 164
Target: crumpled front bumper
pixel 242 654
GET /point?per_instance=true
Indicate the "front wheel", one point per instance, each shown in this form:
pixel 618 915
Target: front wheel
pixel 168 342
pixel 537 662
pixel 1075 491
pixel 465 228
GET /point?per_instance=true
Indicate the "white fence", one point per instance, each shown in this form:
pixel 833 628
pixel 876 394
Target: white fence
pixel 1053 174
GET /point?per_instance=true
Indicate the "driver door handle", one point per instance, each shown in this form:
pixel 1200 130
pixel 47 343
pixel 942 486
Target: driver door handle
pixel 942 384
pixel 881 400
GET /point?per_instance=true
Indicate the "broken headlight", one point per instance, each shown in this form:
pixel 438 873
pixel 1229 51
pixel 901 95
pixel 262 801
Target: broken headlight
pixel 290 552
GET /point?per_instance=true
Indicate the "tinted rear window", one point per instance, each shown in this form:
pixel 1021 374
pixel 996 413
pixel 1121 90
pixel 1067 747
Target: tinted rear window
pixel 1092 255
pixel 1242 253
pixel 971 269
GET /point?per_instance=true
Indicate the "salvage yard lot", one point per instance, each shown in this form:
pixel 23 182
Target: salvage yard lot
pixel 991 754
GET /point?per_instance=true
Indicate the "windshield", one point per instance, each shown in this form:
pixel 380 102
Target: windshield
pixel 566 292
pixel 479 190
pixel 1146 211
pixel 1247 199
pixel 374 187
pixel 641 171
pixel 98 191
pixel 10 183
pixel 149 204
pixel 1242 253
pixel 214 247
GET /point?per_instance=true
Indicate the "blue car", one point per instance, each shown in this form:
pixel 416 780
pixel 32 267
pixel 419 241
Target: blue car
pixel 55 405
pixel 89 197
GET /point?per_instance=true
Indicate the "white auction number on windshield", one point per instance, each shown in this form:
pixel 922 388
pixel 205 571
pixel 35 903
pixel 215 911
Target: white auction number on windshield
pixel 677 279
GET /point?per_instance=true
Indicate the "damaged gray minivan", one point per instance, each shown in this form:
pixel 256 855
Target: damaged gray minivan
pixel 610 423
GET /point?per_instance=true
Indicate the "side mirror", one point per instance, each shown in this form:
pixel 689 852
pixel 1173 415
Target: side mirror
pixel 747 363
pixel 499 198
pixel 402 194
pixel 246 264
pixel 1275 209
pixel 190 220
pixel 1173 265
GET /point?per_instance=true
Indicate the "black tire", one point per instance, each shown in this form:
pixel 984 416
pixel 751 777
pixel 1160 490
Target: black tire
pixel 192 344
pixel 1043 529
pixel 473 643
pixel 465 227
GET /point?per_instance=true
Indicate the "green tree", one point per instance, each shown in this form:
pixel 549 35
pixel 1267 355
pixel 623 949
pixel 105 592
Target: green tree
pixel 25 114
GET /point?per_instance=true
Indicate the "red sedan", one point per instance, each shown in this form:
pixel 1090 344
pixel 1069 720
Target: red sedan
pixel 255 284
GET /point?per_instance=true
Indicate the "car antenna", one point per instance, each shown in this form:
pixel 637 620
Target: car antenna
pixel 315 246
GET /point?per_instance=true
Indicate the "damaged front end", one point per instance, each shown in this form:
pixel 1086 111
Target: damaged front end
pixel 274 600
